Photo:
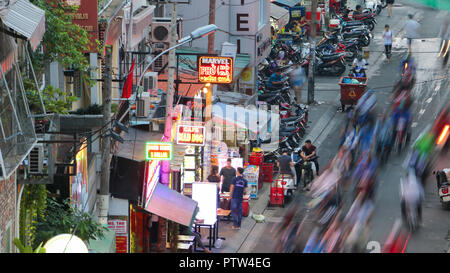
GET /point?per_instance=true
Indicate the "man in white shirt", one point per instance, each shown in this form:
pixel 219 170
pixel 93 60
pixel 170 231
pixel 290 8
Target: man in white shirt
pixel 412 30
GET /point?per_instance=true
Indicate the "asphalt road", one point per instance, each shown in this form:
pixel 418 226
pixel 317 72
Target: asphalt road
pixel 431 93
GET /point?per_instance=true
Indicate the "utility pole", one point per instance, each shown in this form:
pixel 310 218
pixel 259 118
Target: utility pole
pixel 165 170
pixel 312 44
pixel 208 98
pixel 106 141
pixel 212 20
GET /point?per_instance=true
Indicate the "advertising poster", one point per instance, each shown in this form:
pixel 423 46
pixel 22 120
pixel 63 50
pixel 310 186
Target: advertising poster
pixel 251 174
pixel 79 182
pixel 121 230
pixel 121 244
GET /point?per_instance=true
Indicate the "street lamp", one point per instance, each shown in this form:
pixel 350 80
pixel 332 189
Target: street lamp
pixel 196 34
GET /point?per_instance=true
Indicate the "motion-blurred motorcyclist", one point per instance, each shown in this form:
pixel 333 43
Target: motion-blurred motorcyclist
pixel 411 199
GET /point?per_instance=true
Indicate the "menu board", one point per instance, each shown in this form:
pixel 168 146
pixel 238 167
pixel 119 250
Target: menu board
pixel 251 174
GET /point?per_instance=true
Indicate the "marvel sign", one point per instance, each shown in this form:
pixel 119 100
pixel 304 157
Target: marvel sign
pixel 217 70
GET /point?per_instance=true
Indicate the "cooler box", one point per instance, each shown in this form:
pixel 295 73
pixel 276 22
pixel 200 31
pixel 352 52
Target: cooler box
pixel 256 159
pixel 267 172
pixel 245 205
pixel 276 196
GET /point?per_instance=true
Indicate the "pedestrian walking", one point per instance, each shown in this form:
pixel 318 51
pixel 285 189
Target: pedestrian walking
pixel 387 35
pixel 238 189
pixel 298 80
pixel 390 3
pixel 412 31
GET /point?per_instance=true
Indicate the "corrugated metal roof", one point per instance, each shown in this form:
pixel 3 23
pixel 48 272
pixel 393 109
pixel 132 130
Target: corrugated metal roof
pixel 25 18
pixel 289 3
pixel 277 12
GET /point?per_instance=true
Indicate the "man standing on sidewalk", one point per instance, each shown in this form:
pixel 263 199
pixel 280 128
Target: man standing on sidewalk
pixel 238 189
pixel 227 173
pixel 412 31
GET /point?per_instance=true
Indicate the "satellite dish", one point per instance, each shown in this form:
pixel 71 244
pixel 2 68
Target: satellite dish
pixel 65 243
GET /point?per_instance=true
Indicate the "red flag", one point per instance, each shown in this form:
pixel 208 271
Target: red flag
pixel 127 87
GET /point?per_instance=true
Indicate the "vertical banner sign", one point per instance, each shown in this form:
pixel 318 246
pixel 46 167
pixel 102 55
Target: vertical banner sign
pixel 87 18
pixel 218 70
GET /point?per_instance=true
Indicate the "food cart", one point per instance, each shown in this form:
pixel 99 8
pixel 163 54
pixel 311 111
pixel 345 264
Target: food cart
pixel 351 92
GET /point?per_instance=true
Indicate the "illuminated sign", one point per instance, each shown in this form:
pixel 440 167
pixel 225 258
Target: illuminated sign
pixel 152 178
pixel 217 70
pixel 191 135
pixel 158 150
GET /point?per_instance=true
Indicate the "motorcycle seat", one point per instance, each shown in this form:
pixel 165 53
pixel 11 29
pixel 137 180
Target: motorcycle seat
pixel 353 23
pixel 289 119
pixel 331 56
pixel 288 129
pixel 285 134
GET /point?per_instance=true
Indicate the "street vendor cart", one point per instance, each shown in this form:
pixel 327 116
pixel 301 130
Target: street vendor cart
pixel 351 91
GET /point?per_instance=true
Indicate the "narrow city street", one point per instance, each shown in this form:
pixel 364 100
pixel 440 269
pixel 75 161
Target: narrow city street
pixel 431 92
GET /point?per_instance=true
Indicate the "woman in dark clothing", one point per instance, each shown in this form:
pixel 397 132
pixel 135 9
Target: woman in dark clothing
pixel 215 178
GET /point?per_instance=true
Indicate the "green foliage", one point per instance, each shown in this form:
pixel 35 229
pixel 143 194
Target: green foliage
pixel 32 206
pixel 63 218
pixel 93 109
pixel 114 108
pixel 63 41
pixel 28 249
pixel 55 100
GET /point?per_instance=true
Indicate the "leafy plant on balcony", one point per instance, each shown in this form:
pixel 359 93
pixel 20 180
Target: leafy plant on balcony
pixel 32 206
pixel 63 218
pixel 55 100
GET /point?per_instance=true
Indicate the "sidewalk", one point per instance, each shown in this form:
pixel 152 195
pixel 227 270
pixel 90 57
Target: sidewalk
pixel 244 239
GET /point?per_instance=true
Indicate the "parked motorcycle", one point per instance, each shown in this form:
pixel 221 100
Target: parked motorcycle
pixel 443 186
pixel 333 64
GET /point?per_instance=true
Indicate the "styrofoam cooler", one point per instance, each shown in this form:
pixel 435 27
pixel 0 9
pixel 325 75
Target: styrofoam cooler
pixel 334 23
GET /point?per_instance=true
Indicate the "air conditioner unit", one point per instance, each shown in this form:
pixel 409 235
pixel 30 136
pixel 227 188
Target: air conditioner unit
pixel 36 159
pixel 162 60
pixel 150 81
pixel 143 105
pixel 161 29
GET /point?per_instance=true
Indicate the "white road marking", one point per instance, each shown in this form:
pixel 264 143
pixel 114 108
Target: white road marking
pixel 414 124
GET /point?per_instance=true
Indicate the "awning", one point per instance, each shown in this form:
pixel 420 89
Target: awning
pixel 252 119
pixel 288 3
pixel 134 143
pixel 279 14
pixel 172 205
pixel 28 20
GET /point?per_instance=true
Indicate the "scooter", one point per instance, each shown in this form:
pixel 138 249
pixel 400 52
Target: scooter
pixel 327 64
pixel 443 186
pixel 374 6
pixel 357 72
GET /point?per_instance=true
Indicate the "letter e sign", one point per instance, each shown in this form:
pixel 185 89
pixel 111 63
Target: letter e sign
pixel 239 17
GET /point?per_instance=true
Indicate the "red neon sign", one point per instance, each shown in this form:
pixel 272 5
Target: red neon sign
pixel 217 70
pixel 191 135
